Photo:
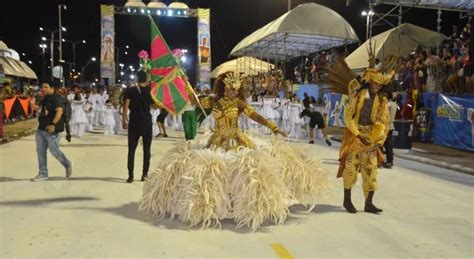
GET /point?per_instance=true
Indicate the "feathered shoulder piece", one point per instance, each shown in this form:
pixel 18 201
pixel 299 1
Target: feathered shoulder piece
pixel 340 77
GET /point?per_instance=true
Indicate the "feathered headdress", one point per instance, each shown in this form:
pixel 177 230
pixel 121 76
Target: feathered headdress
pixel 339 76
pixel 372 75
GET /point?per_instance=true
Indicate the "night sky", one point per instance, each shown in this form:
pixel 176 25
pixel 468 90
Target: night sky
pixel 231 21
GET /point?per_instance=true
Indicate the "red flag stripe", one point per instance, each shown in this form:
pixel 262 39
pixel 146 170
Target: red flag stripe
pixel 181 86
pixel 158 48
pixel 167 99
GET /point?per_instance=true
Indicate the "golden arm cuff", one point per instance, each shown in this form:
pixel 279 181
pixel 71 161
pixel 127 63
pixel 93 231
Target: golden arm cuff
pixel 248 110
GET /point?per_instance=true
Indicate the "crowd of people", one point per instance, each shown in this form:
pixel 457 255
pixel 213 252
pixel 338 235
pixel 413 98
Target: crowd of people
pixel 271 80
pixel 291 114
pixel 442 69
pixel 311 68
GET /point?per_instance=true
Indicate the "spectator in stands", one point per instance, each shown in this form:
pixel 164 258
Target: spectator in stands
pixel 408 75
pixel 388 144
pixel 407 111
pixel 7 89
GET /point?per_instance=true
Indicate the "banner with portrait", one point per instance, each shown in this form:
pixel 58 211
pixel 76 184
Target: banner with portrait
pixel 107 50
pixel 204 47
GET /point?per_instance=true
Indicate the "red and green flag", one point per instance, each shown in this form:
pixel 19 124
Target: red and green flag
pixel 169 86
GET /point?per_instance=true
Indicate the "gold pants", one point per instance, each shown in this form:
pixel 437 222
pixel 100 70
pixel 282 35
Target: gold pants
pixel 364 163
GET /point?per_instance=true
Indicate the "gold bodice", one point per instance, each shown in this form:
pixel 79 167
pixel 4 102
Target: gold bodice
pixel 227 134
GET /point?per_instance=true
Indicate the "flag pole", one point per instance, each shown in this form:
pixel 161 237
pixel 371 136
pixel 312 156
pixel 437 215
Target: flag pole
pixel 193 92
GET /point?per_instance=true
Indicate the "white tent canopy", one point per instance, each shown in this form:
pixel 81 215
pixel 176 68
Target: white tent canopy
pixel 306 29
pixel 11 64
pixel 16 68
pixel 398 41
pixel 453 5
pixel 246 65
pixel 3 46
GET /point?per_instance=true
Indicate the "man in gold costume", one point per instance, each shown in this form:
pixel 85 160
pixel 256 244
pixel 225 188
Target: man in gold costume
pixel 230 103
pixel 366 119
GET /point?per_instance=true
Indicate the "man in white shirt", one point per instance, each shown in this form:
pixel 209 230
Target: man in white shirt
pixel 388 145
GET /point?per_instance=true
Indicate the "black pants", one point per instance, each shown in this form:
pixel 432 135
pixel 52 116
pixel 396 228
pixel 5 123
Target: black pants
pixel 133 138
pixel 388 145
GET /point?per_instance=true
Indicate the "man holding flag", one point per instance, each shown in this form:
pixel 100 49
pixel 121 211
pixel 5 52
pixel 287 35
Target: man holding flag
pixel 138 100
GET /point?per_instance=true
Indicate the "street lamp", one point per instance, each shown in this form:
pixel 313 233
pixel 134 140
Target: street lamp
pixel 61 7
pixel 43 70
pixel 368 30
pixel 124 72
pixel 369 15
pixel 52 44
pixel 73 43
pixel 92 59
pixel 118 55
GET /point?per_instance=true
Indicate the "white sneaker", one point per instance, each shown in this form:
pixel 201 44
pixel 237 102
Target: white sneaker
pixel 39 178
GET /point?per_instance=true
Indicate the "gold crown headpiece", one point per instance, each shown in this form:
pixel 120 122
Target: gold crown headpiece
pixel 233 80
pixel 375 76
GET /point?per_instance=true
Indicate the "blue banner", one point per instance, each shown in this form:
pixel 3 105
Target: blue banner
pixel 311 90
pixel 454 120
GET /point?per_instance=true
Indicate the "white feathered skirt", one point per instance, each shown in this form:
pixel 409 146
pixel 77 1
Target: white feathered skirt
pixel 202 186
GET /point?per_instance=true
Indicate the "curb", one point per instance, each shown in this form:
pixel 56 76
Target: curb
pixel 17 136
pixel 410 155
pixel 424 160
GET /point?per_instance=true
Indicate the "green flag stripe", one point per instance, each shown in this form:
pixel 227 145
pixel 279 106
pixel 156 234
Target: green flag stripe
pixel 159 94
pixel 164 61
pixel 180 103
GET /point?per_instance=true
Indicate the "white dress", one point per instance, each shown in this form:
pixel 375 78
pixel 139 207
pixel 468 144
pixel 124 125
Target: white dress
pixel 268 109
pixel 154 116
pixel 254 126
pixel 118 120
pixel 79 119
pixel 285 117
pixel 88 108
pixel 295 120
pixel 277 111
pixel 109 120
pixel 96 102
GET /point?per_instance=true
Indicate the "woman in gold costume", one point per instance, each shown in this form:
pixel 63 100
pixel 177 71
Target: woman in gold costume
pixel 231 103
pixel 230 175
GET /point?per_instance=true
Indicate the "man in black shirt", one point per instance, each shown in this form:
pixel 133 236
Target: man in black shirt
pixel 138 100
pixel 51 124
pixel 306 101
pixel 315 119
